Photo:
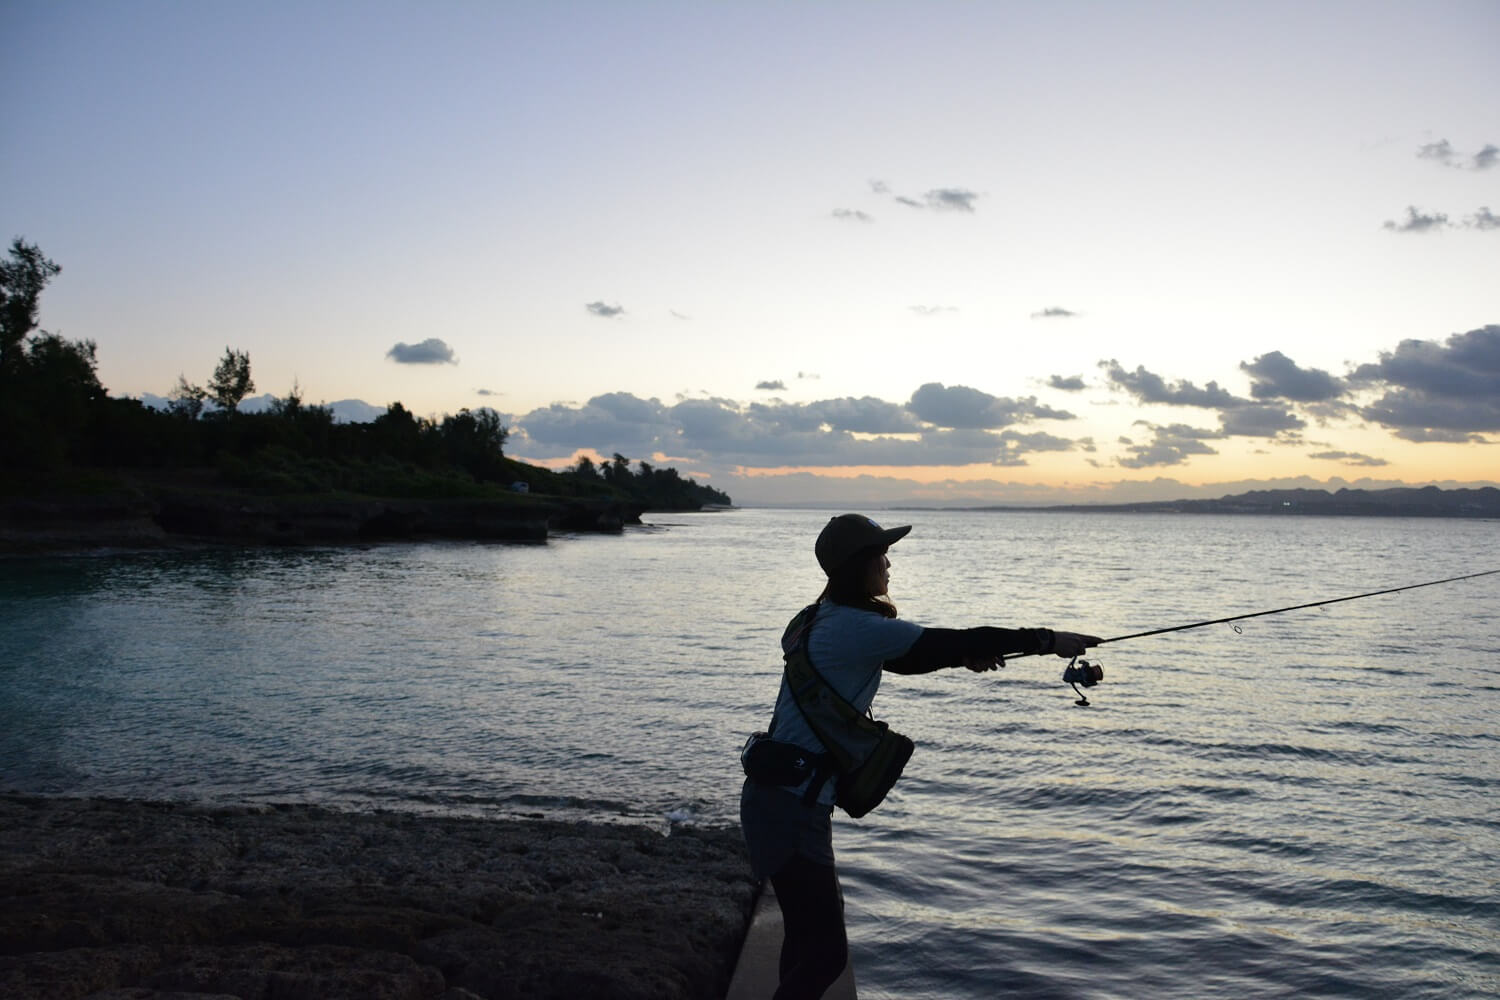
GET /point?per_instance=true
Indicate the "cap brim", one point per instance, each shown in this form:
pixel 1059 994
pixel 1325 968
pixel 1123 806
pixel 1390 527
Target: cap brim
pixel 894 535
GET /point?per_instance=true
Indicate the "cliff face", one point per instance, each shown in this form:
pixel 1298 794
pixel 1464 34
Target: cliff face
pixel 167 518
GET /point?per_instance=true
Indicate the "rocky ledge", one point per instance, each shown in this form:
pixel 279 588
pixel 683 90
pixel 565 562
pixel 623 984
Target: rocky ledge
pixel 110 900
pixel 183 518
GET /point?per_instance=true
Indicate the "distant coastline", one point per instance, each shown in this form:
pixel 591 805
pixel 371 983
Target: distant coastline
pixel 1426 501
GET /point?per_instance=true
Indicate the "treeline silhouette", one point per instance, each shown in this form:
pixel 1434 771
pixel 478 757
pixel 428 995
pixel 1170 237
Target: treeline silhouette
pixel 59 421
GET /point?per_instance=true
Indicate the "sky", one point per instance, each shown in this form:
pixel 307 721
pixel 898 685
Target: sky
pixel 836 253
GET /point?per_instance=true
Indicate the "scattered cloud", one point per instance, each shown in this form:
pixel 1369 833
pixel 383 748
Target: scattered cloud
pixel 1069 383
pixel 852 215
pixel 960 406
pixel 1440 151
pixel 809 375
pixel 431 351
pixel 1276 376
pixel 772 385
pixel 862 415
pixel 1443 152
pixel 487 392
pixel 1348 458
pixel 1169 445
pixel 1147 387
pixel 846 431
pixel 1053 312
pixel 1259 420
pixel 944 200
pixel 1417 222
pixel 1483 219
pixel 1437 392
pixel 678 315
pixel 933 310
pixel 606 311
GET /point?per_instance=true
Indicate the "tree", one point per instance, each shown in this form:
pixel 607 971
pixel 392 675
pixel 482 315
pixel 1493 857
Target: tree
pixel 231 380
pixel 186 399
pixel 22 279
pixel 474 442
pixel 617 472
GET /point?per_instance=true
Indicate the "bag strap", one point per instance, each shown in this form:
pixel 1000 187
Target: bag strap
pixel 796 634
pixel 808 686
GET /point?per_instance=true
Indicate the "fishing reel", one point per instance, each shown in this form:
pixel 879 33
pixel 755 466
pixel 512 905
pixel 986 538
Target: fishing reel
pixel 1085 672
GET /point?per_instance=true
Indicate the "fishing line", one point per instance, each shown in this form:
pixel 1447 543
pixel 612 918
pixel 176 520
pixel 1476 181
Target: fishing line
pixel 1295 607
pixel 1088 674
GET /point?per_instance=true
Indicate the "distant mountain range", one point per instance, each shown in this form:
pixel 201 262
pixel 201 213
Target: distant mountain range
pixel 1424 501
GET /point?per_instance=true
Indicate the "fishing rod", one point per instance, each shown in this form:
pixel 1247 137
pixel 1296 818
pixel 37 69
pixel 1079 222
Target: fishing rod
pixel 1080 671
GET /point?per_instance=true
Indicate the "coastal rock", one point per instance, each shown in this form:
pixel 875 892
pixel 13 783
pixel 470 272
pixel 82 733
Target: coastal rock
pixel 111 900
pixel 186 518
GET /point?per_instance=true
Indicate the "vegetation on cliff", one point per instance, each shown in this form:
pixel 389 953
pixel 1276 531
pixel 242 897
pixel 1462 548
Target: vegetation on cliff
pixel 65 433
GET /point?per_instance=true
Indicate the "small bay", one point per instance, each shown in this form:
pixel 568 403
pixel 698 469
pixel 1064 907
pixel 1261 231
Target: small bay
pixel 1300 805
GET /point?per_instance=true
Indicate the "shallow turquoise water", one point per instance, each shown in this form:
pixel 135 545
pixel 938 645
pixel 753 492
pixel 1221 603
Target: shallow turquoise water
pixel 1301 807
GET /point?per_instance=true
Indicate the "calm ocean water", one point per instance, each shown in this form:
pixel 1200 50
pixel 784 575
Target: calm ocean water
pixel 1305 806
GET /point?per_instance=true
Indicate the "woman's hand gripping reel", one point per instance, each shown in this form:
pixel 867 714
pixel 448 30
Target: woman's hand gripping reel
pixel 1082 672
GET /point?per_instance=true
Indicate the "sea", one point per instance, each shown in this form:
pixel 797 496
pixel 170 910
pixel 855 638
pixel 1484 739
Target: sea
pixel 1302 804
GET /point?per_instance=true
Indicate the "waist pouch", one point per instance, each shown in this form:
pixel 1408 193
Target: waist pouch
pixel 772 762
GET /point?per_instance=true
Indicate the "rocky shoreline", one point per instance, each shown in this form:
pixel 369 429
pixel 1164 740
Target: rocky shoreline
pixel 113 899
pixel 183 519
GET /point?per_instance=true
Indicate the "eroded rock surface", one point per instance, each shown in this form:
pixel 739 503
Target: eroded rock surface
pixel 116 900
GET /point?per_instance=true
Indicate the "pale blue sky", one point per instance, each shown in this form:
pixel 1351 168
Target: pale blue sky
pixel 851 200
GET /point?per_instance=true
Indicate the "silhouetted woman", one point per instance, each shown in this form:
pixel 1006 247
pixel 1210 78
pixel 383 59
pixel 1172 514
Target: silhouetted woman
pixel 854 634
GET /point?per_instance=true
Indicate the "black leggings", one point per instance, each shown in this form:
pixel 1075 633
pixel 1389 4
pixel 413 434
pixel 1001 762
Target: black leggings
pixel 815 949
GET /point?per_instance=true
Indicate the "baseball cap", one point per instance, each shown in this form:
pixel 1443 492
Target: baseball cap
pixel 847 534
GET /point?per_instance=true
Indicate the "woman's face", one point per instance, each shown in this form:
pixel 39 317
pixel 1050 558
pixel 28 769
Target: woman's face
pixel 878 575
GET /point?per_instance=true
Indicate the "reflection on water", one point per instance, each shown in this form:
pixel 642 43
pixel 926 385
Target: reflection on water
pixel 1302 806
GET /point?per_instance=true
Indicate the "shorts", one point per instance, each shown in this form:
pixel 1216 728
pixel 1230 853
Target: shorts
pixel 778 827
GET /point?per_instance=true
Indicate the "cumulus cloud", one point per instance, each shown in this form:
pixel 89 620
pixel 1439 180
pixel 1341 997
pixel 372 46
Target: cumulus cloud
pixel 1259 420
pixel 852 215
pixel 771 385
pixel 1169 445
pixel 1446 391
pixel 1443 152
pixel 1417 222
pixel 1348 458
pixel 1070 383
pixel 846 431
pixel 612 422
pixel 606 311
pixel 1483 219
pixel 431 351
pixel 960 406
pixel 1440 151
pixel 1276 376
pixel 1053 312
pixel 1148 387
